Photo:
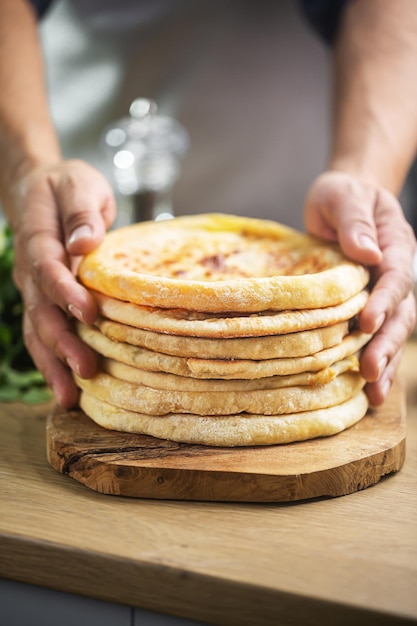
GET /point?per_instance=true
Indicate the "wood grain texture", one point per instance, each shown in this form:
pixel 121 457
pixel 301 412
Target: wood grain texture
pixel 141 466
pixel 348 560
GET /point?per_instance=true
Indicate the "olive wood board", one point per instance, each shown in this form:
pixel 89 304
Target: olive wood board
pixel 141 466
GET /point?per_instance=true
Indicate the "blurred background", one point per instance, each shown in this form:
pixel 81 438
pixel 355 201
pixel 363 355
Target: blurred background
pixel 250 83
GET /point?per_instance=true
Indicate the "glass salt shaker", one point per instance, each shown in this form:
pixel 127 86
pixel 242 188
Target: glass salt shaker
pixel 145 151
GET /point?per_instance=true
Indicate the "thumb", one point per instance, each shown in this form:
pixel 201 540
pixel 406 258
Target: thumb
pixel 362 246
pixel 86 207
pixel 340 207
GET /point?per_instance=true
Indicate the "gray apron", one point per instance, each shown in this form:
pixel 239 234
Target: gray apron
pixel 247 80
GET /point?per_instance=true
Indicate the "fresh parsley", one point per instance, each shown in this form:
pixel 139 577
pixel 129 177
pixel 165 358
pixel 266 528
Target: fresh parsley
pixel 19 379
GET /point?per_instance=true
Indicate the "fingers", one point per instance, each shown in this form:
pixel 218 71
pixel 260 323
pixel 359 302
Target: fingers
pixel 70 198
pixel 381 357
pixel 369 225
pixel 378 391
pixel 341 208
pixel 61 212
pixel 86 206
pixel 54 347
pixel 393 277
pixel 56 374
pixel 53 278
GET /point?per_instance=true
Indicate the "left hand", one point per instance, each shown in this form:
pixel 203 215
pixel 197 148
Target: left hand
pixel 58 213
pixel 368 223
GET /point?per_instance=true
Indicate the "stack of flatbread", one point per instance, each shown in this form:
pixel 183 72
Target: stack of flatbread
pixel 224 331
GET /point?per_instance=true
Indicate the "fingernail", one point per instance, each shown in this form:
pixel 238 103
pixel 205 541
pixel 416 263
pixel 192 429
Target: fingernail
pixel 382 364
pixel 385 387
pixel 82 232
pixel 367 243
pixel 76 312
pixel 379 321
pixel 57 394
pixel 73 365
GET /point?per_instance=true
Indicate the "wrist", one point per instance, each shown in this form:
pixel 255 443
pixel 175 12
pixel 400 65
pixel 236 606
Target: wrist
pixel 34 149
pixel 376 171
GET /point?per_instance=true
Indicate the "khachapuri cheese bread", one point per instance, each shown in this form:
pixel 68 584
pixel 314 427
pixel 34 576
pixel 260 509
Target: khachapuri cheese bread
pixel 222 330
pixel 221 263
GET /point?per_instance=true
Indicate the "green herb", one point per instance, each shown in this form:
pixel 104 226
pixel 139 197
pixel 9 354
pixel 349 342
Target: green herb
pixel 19 378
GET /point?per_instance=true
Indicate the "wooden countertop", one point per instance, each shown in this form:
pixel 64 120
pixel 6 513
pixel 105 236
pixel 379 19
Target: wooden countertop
pixel 340 561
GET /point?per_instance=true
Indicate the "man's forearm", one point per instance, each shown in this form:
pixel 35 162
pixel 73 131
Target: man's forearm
pixel 27 137
pixel 375 108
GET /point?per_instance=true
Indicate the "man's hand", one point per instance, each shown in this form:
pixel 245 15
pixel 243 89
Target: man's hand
pixel 57 214
pixel 369 225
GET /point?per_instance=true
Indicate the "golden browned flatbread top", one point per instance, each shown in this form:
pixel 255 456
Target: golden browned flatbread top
pixel 220 263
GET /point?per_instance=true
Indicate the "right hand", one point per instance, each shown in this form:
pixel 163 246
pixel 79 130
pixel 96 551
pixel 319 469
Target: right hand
pixel 368 223
pixel 58 213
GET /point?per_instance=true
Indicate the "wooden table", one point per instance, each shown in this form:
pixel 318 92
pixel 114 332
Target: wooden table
pixel 340 561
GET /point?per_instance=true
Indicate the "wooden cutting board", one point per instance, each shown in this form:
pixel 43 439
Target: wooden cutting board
pixel 144 467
